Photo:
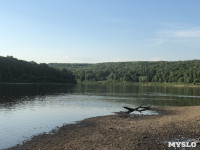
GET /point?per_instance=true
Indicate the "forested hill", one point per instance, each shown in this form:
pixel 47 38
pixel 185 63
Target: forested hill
pixel 13 70
pixel 163 71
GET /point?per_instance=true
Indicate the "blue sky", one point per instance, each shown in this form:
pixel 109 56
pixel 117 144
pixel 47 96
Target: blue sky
pixel 92 31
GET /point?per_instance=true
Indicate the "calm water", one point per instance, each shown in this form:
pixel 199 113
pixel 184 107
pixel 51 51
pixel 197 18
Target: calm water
pixel 29 109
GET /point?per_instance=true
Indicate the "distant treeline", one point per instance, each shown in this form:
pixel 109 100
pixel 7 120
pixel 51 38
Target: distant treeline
pixel 13 70
pixel 162 71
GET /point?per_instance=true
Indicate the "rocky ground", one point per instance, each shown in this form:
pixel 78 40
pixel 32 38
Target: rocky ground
pixel 123 133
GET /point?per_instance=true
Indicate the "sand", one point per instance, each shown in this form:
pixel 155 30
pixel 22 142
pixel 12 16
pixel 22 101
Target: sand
pixel 123 133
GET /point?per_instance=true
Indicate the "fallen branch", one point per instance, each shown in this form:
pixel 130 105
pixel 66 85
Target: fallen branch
pixel 127 113
pixel 140 109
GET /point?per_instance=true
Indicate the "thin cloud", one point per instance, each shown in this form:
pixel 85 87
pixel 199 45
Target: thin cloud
pixel 157 41
pixel 187 33
pixel 176 25
pixel 190 36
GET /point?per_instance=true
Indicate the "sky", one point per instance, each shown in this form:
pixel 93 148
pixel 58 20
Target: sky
pixel 93 31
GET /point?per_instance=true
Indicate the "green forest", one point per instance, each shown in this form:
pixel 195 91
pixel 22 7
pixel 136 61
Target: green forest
pixel 13 70
pixel 134 72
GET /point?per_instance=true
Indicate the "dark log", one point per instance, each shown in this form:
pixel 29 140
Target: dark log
pixel 129 109
pixel 140 109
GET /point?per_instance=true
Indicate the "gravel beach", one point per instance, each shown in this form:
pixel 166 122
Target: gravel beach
pixel 122 133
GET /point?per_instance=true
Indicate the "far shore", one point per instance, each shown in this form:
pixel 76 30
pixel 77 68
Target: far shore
pixel 123 133
pixel 142 84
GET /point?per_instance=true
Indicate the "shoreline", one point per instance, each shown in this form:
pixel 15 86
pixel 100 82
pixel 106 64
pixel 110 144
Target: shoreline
pixel 181 85
pixel 114 132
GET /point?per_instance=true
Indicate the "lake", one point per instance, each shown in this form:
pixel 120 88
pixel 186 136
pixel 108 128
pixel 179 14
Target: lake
pixel 30 109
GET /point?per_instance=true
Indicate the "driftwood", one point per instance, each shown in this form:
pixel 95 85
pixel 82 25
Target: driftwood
pixel 127 113
pixel 140 109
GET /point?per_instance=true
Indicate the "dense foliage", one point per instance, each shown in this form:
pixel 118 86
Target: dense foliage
pixel 14 70
pixel 162 71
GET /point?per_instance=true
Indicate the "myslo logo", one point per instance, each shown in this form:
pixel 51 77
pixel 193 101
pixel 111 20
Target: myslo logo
pixel 182 144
